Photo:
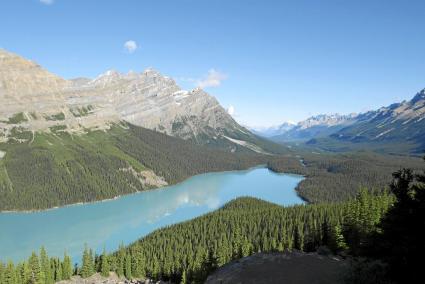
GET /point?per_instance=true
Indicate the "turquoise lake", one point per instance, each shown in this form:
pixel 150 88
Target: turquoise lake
pixel 126 219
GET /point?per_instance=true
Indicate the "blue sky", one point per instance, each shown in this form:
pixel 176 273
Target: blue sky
pixel 271 60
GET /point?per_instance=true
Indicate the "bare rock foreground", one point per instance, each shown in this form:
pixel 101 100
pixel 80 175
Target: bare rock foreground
pixel 286 268
pixel 112 279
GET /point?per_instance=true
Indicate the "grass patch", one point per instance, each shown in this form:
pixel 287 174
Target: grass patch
pixel 17 118
pixel 55 117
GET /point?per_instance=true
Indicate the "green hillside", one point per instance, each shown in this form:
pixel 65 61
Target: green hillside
pixel 45 170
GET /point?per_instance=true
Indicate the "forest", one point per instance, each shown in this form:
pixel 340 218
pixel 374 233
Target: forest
pixel 362 205
pixel 377 227
pixel 59 168
pixel 338 177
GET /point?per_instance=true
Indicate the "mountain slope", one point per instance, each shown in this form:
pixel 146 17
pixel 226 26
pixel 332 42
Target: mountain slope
pixel 81 140
pixel 59 168
pixel 36 100
pixel 315 126
pixel 397 129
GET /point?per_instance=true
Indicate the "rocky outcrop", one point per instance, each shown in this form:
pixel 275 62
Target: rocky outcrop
pixel 112 279
pixel 289 267
pixel 23 83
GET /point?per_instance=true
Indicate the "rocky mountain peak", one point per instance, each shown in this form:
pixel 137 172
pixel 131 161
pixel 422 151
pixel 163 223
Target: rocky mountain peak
pixel 24 84
pixel 43 101
pixel 151 72
pixel 419 97
pixel 109 77
pixel 326 120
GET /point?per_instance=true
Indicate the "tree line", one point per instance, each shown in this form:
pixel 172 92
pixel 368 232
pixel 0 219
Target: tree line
pixel 59 168
pixel 338 177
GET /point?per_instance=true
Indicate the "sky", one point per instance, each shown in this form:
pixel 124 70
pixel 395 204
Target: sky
pixel 265 61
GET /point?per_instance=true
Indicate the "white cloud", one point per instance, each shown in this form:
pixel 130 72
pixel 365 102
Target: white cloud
pixel 213 79
pixel 47 2
pixel 231 110
pixel 130 46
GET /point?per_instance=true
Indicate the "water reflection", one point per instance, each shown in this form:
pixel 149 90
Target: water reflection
pixel 126 219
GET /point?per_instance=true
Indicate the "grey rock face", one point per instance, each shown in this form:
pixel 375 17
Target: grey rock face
pixel 146 99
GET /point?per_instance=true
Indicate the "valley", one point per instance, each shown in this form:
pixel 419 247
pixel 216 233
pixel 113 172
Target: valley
pixel 396 129
pixel 135 176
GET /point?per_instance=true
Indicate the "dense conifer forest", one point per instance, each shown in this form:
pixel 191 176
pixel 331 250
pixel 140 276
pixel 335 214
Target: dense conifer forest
pixel 349 209
pixel 193 249
pixel 381 229
pixel 59 168
pixel 338 177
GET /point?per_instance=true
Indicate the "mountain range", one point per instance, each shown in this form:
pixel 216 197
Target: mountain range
pixel 313 127
pixel 398 128
pixel 37 100
pixel 273 130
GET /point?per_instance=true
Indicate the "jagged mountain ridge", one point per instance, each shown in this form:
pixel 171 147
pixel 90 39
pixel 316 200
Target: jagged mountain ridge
pixel 36 100
pixel 316 126
pixel 402 123
pixel 398 128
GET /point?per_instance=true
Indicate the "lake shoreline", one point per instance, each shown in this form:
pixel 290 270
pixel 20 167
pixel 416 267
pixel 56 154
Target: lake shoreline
pixel 138 192
pixel 126 219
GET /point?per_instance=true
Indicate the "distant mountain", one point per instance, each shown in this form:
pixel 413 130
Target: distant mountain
pixel 273 130
pixel 399 127
pixel 314 127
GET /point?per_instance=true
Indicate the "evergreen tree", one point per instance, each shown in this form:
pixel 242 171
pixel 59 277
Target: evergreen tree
pixel 105 268
pixel 24 273
pixel 127 271
pixel 46 272
pixel 87 268
pixel 57 268
pixel 401 243
pixel 2 272
pixel 9 274
pixel 184 278
pixel 336 239
pixel 66 267
pixel 35 276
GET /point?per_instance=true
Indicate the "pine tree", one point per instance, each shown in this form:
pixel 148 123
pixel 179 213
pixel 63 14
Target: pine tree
pixel 87 268
pixel 127 271
pixel 35 276
pixel 9 274
pixel 120 261
pixel 66 267
pixel 47 275
pixel 24 273
pixel 336 239
pixel 184 278
pixel 104 267
pixel 401 243
pixel 57 268
pixel 2 272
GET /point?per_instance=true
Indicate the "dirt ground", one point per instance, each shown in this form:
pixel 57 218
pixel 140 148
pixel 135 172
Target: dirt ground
pixel 282 268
